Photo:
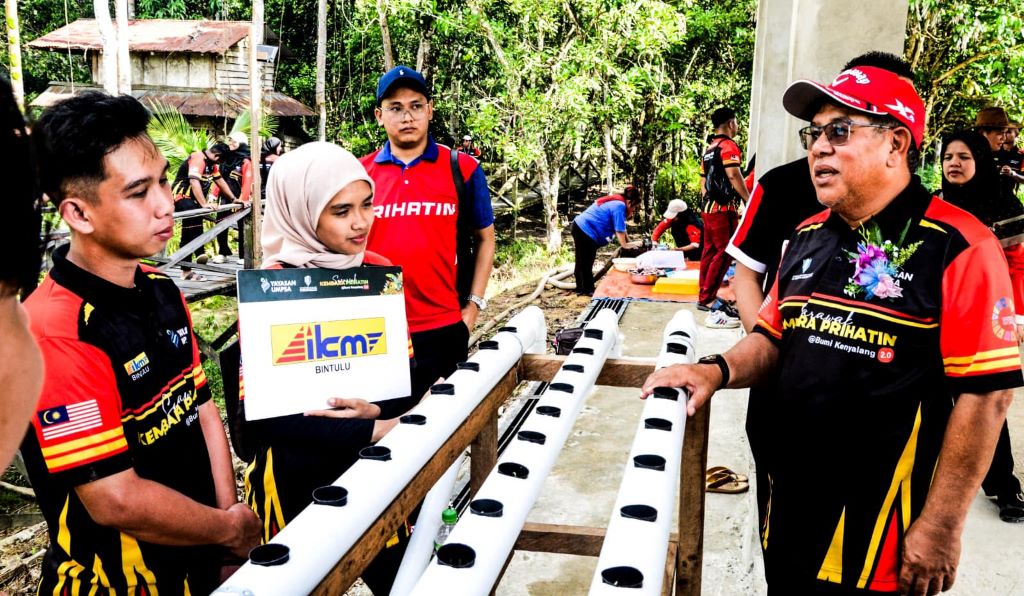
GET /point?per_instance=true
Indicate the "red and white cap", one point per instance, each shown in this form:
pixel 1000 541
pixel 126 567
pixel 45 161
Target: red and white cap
pixel 866 89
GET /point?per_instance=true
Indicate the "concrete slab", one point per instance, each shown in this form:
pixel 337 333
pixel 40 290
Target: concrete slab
pixel 582 487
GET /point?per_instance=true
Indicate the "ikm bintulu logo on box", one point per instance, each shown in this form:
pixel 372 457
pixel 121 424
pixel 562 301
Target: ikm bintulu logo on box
pixel 328 340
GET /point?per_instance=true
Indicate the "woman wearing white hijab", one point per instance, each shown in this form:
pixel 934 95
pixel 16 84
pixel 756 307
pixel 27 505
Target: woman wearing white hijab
pixel 319 213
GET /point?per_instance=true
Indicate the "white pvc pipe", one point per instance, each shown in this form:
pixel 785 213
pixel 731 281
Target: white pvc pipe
pixel 492 538
pixel 635 546
pixel 319 536
pixel 421 543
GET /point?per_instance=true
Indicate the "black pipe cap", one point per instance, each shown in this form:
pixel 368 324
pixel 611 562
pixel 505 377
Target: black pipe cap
pixel 658 424
pixel 331 495
pixel 489 345
pixel 531 436
pixel 487 508
pixel 459 556
pixel 442 389
pixel 666 393
pixel 578 368
pixel 473 366
pixel 587 351
pixel 675 348
pixel 270 554
pixel 514 470
pixel 552 411
pixel 593 333
pixel 375 452
pixel 649 461
pixel 415 419
pixel 623 577
pixel 563 387
pixel 640 512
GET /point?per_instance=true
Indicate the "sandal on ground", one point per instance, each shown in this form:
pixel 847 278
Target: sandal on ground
pixel 727 482
pixel 716 469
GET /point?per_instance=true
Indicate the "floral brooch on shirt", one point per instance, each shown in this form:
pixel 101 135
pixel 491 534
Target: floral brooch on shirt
pixel 878 264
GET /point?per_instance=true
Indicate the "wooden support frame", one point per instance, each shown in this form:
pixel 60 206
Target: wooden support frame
pixel 684 559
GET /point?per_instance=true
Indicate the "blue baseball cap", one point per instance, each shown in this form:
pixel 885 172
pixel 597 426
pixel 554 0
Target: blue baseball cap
pixel 404 76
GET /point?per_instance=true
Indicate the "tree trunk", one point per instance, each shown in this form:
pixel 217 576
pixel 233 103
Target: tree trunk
pixel 124 63
pixel 255 245
pixel 424 53
pixel 609 159
pixel 14 53
pixel 109 39
pixel 321 68
pixel 548 180
pixel 385 34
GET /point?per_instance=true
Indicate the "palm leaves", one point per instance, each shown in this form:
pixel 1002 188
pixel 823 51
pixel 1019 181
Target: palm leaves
pixel 268 127
pixel 174 136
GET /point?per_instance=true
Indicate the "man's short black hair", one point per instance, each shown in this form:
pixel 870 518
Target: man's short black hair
pixel 219 149
pixel 721 116
pixel 74 136
pixel 19 233
pixel 883 60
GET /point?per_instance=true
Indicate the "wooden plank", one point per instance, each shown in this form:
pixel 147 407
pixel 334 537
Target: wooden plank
pixel 560 539
pixel 617 372
pixel 670 568
pixel 207 236
pixel 354 562
pixel 483 454
pixel 690 555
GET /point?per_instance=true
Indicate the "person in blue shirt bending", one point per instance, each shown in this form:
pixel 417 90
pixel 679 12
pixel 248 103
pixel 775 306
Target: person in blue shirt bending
pixel 597 226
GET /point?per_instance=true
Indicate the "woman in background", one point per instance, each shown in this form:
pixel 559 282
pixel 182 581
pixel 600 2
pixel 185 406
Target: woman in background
pixel 970 181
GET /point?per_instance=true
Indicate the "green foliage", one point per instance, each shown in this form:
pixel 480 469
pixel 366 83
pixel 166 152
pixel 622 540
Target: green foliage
pixel 210 318
pixel 966 55
pixel 174 136
pixel 243 124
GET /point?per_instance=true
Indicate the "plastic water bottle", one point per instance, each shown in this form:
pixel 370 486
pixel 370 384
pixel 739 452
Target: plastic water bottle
pixel 448 518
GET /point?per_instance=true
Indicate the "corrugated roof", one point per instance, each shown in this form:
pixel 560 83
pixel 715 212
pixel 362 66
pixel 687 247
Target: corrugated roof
pixel 190 102
pixel 150 35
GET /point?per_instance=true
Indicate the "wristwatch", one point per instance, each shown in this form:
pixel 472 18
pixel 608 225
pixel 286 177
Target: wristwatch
pixel 478 301
pixel 723 366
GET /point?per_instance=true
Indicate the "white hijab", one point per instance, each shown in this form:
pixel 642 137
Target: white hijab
pixel 302 183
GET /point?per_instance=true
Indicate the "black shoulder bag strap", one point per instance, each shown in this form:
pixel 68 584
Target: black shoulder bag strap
pixel 465 237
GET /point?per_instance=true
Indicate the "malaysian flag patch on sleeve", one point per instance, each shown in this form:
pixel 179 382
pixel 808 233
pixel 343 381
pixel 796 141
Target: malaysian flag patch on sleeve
pixel 73 434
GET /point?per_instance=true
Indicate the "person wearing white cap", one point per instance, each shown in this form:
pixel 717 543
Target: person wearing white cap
pixel 686 227
pixel 468 148
pixel 888 343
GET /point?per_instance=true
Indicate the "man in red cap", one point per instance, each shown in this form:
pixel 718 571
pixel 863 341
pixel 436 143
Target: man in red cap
pixel 887 306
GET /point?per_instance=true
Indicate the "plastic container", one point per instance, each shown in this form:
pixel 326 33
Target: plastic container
pixel 624 264
pixel 448 519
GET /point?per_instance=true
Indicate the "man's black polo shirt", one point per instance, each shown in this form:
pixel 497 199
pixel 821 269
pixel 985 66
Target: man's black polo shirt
pixel 781 199
pixel 866 380
pixel 122 390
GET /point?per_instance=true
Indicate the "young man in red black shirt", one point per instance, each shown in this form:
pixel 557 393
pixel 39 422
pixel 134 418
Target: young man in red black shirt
pixel 888 338
pixel 416 209
pixel 719 214
pixel 21 371
pixel 126 451
pixel 192 185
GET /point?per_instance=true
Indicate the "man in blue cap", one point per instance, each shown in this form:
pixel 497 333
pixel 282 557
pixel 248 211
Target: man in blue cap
pixel 420 223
